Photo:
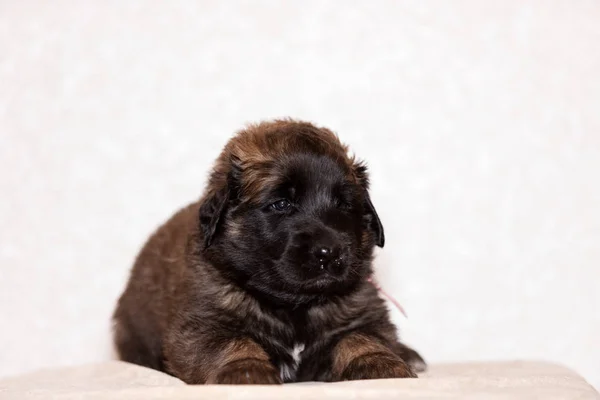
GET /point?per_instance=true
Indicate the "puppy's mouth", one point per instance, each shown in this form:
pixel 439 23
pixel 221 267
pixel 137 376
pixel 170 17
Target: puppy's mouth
pixel 331 268
pixel 301 281
pixel 322 282
pixel 316 267
pixel 323 272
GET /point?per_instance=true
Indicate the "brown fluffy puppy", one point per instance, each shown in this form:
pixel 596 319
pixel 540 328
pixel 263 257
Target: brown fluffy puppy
pixel 265 279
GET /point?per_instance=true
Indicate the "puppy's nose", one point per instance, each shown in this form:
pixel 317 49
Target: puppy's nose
pixel 329 259
pixel 324 252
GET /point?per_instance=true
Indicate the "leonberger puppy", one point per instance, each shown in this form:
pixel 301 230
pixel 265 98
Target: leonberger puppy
pixel 266 279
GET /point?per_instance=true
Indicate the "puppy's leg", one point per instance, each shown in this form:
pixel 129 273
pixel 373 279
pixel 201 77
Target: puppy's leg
pixel 361 356
pixel 245 362
pixel 213 361
pixel 136 340
pixel 411 357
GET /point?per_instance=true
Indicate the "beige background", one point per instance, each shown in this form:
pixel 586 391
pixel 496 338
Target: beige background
pixel 480 121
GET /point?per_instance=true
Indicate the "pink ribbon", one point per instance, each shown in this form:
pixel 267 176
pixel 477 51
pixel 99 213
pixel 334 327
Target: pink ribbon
pixel 388 296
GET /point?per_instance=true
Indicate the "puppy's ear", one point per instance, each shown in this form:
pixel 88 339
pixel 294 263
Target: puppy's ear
pixel 214 206
pixel 212 210
pixel 374 223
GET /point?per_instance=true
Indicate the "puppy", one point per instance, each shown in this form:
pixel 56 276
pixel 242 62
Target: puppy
pixel 265 279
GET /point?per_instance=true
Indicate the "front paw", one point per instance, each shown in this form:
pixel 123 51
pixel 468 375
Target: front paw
pixel 247 372
pixel 377 366
pixel 411 357
pixel 414 359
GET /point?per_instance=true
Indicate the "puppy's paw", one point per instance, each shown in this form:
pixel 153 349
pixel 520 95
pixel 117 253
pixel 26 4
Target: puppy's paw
pixel 416 362
pixel 377 366
pixel 414 359
pixel 247 372
pixel 411 357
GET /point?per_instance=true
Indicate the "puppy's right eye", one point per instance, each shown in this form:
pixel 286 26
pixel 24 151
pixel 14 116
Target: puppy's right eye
pixel 282 205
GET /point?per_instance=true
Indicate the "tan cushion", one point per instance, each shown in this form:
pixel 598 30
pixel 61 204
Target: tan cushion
pixel 507 380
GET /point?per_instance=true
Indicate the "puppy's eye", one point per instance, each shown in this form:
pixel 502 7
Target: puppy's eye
pixel 282 205
pixel 343 204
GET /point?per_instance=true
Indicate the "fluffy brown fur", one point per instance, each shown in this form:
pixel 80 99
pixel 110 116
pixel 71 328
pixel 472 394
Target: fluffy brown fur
pixel 264 279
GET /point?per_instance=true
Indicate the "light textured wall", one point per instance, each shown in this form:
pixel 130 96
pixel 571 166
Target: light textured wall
pixel 480 122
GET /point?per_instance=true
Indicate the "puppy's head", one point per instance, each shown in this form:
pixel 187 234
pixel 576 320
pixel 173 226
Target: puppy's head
pixel 287 213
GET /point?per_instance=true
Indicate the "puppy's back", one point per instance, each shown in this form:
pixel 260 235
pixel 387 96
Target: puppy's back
pixel 144 309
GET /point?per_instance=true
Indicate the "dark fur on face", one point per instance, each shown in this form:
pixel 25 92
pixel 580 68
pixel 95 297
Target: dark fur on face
pixel 264 280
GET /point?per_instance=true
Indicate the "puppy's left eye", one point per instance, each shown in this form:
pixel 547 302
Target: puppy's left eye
pixel 282 205
pixel 343 204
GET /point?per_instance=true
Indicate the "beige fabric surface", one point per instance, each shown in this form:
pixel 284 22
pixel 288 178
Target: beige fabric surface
pixel 507 380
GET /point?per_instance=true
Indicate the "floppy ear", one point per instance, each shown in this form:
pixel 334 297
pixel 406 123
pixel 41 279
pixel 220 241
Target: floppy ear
pixel 215 204
pixel 374 222
pixel 211 213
